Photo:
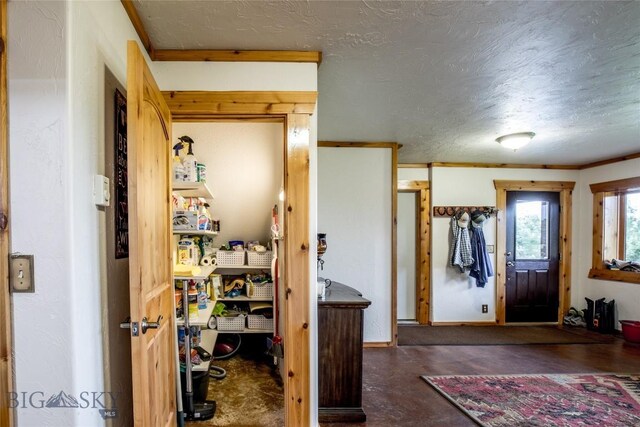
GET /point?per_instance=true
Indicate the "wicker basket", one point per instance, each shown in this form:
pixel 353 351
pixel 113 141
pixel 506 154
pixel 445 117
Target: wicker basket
pixel 230 323
pixel 259 259
pixel 260 290
pixel 230 257
pixel 255 321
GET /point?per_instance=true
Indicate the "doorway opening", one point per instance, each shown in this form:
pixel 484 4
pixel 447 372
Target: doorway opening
pixel 413 273
pixel 563 189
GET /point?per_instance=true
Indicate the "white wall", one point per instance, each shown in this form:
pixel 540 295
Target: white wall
pixel 244 173
pixel 39 208
pixel 354 209
pixel 455 297
pixel 413 174
pixel 627 295
pixel 406 296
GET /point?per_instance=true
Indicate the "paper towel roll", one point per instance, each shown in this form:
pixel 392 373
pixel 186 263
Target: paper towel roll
pixel 207 260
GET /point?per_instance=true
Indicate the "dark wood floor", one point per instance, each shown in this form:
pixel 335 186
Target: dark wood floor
pixel 394 394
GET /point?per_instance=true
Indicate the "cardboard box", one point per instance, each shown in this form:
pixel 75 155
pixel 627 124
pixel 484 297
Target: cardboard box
pixel 185 220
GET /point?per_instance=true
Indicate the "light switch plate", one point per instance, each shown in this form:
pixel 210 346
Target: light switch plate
pixel 101 194
pixel 490 249
pixel 21 273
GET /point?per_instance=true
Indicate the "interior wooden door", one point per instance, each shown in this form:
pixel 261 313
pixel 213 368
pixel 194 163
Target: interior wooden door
pixel 150 280
pixel 532 256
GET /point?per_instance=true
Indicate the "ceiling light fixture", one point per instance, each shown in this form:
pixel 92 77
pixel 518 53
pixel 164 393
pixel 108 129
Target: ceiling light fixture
pixel 514 141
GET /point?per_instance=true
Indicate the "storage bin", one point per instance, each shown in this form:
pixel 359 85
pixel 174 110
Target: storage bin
pixel 260 290
pixel 631 330
pixel 230 323
pixel 259 259
pixel 230 257
pixel 257 321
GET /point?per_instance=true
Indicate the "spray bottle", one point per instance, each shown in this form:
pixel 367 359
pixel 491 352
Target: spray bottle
pixel 178 167
pixel 190 163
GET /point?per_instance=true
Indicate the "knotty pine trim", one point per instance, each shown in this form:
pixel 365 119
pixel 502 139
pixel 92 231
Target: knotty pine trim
pixel 423 245
pixel 359 144
pixel 501 165
pixel 521 165
pixel 616 186
pixel 614 275
pixel 553 186
pixel 378 344
pixel 610 161
pixel 565 245
pixel 297 362
pixel 414 165
pixel 214 55
pixel 134 17
pixel 6 348
pixel 229 103
pixel 394 244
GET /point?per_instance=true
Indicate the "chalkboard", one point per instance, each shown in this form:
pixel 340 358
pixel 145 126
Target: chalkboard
pixel 120 176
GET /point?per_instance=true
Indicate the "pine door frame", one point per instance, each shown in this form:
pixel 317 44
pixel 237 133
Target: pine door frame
pixel 6 340
pixel 293 109
pixel 565 188
pixel 423 245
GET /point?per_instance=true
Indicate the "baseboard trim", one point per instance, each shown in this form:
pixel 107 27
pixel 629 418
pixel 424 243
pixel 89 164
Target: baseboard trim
pixel 344 415
pixel 377 344
pixel 490 323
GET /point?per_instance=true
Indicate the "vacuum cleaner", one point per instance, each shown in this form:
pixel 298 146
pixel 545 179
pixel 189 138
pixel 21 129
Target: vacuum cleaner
pixel 193 411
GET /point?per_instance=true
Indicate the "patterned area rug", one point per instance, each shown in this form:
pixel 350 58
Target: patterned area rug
pixel 544 400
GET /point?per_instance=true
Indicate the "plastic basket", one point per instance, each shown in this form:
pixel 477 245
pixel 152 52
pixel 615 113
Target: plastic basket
pixel 256 321
pixel 230 323
pixel 260 290
pixel 230 257
pixel 261 259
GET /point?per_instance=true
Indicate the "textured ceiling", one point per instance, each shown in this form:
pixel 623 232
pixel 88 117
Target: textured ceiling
pixel 445 78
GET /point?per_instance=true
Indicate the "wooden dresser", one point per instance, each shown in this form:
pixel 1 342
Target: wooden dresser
pixel 340 317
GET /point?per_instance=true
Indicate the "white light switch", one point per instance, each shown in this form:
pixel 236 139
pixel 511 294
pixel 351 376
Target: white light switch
pixel 101 195
pixel 490 249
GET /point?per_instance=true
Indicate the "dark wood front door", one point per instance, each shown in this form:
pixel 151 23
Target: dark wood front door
pixel 532 256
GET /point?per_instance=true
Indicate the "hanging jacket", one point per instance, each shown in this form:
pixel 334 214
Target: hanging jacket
pixel 481 268
pixel 460 246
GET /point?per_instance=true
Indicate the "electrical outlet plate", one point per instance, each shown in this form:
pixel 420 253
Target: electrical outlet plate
pixel 485 308
pixel 21 273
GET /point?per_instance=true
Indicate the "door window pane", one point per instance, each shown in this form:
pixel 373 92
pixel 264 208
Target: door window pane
pixel 632 228
pixel 532 229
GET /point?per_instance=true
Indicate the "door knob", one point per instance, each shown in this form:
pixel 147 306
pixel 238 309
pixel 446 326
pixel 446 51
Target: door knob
pixel 510 264
pixel 150 325
pixel 508 253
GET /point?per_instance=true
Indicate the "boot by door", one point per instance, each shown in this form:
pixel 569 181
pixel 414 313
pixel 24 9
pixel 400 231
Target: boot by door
pixel 532 256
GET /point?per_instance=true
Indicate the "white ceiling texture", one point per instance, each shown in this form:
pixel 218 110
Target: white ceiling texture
pixel 445 78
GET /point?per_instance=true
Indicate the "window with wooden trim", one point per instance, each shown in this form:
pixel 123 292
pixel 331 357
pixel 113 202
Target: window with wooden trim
pixel 616 230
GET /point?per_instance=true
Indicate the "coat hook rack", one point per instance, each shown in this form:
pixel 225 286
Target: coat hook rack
pixel 449 211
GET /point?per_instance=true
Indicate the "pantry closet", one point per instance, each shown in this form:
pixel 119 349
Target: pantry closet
pixel 232 301
pixel 151 285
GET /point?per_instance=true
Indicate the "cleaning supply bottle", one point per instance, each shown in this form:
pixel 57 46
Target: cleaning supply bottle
pixel 178 167
pixel 190 163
